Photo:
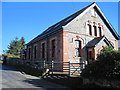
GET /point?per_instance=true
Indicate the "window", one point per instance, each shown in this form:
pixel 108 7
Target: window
pixel 90 54
pixel 77 48
pixel 100 32
pixel 43 50
pixel 95 30
pixel 35 52
pixel 90 30
pixel 53 48
pixel 94 12
pixel 29 52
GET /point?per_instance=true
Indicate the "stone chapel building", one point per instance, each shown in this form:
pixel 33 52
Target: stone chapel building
pixel 77 38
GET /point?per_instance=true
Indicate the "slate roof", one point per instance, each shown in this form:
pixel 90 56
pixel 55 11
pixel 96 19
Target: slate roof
pixel 58 26
pixel 95 41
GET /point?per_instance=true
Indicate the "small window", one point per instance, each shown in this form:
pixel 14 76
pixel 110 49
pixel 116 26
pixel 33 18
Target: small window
pixel 100 32
pixel 94 12
pixel 53 48
pixel 35 52
pixel 43 50
pixel 77 48
pixel 90 29
pixel 95 30
pixel 29 52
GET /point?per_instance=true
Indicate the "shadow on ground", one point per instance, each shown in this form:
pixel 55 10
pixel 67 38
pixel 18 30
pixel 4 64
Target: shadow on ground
pixel 9 68
pixel 44 84
pixel 72 82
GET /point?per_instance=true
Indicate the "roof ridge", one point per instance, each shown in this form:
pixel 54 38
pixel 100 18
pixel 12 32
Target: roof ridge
pixel 69 18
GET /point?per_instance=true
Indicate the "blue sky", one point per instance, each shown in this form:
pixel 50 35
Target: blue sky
pixel 29 19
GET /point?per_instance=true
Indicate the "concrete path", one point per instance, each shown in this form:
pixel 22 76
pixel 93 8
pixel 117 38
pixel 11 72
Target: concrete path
pixel 12 78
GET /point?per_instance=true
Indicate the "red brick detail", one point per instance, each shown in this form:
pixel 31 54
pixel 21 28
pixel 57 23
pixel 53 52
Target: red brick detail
pixel 99 24
pixel 73 50
pixel 65 46
pixel 81 52
pixel 91 30
pixel 116 44
pixel 82 41
pixel 89 21
pixel 61 46
pixel 94 23
pixel 99 50
pixel 93 52
pixel 111 43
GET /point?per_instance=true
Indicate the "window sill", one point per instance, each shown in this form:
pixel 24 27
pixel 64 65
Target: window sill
pixel 77 57
pixel 91 36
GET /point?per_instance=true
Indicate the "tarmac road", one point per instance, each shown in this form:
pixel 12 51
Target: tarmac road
pixel 12 78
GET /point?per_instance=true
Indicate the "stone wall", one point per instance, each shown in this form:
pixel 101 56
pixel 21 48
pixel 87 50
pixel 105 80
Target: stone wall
pixel 48 58
pixel 78 27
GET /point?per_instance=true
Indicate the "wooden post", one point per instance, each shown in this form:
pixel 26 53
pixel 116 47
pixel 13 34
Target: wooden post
pixel 69 67
pixel 52 67
pixel 44 63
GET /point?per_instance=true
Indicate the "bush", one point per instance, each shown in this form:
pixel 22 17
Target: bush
pixel 106 66
pixel 29 70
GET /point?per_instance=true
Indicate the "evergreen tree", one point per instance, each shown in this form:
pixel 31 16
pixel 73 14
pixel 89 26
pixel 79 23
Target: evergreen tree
pixel 16 46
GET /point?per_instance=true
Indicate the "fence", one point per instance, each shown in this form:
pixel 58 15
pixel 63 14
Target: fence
pixel 54 67
pixel 66 68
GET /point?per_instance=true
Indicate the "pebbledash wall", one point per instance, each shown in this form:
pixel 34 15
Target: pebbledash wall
pixel 77 29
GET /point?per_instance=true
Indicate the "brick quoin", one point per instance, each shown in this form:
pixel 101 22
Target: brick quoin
pixel 65 46
pixel 116 44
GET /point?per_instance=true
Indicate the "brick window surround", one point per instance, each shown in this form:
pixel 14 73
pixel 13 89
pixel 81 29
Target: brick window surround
pixel 90 29
pixel 77 48
pixel 81 42
pixel 53 47
pixel 35 52
pixel 43 49
pixel 94 29
pixel 29 52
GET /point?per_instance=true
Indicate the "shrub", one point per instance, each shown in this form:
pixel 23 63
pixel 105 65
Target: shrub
pixel 29 70
pixel 106 66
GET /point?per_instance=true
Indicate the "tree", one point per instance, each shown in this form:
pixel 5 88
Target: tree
pixel 107 65
pixel 16 46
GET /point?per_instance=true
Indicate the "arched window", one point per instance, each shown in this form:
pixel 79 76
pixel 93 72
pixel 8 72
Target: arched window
pixel 94 12
pixel 95 30
pixel 100 32
pixel 77 48
pixel 90 29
